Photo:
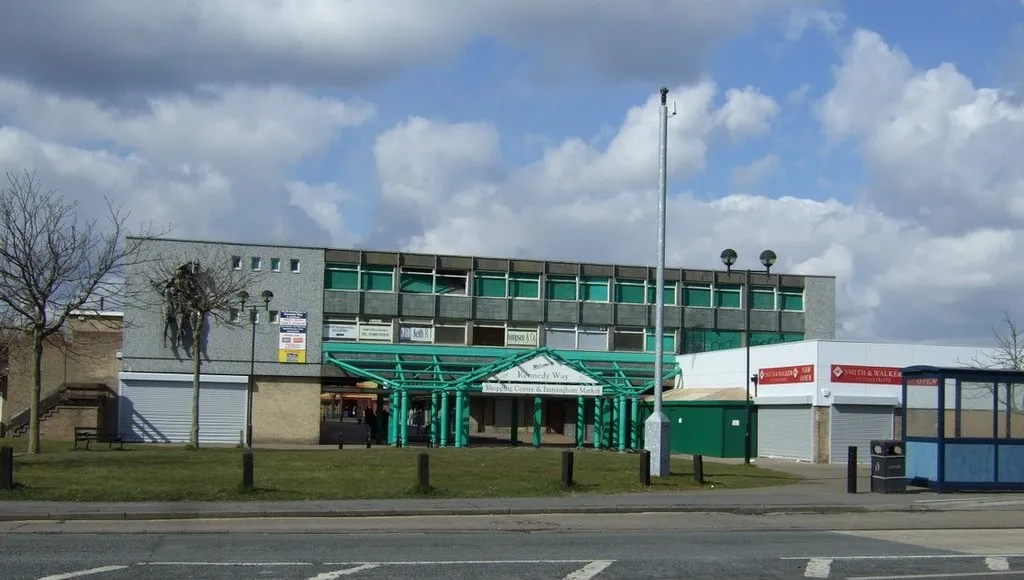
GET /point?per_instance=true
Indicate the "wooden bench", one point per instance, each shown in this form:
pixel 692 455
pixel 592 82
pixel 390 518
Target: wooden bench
pixel 88 434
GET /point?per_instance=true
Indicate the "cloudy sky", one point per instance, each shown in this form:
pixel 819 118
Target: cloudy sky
pixel 876 141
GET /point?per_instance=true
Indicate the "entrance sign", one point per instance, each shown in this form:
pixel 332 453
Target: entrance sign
pixel 543 375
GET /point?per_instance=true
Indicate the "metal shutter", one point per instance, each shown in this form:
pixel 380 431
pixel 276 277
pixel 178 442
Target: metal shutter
pixel 785 431
pixel 857 425
pixel 158 411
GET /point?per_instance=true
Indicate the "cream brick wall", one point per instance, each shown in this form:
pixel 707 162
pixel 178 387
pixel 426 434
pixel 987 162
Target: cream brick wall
pixel 822 434
pixel 286 410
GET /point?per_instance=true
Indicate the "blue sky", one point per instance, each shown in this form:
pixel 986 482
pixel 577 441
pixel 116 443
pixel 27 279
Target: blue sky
pixel 864 140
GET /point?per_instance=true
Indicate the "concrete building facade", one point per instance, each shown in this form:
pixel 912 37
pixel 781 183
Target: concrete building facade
pixel 427 334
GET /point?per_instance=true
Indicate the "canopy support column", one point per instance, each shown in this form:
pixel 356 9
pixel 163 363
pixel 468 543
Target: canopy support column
pixel 393 416
pixel 598 423
pixel 581 422
pixel 623 423
pixel 445 416
pixel 514 422
pixel 634 431
pixel 460 404
pixel 464 422
pixel 435 419
pixel 538 419
pixel 404 424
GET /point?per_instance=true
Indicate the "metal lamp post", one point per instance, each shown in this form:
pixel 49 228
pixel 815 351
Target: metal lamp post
pixel 243 297
pixel 768 258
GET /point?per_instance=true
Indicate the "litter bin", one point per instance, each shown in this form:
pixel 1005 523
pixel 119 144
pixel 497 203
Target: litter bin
pixel 888 467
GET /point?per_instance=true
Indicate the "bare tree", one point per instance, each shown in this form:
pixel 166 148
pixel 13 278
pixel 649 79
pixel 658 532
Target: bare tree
pixel 1008 354
pixel 51 264
pixel 195 292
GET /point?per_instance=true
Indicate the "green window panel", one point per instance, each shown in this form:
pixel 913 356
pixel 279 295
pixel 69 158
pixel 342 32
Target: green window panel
pixel 561 288
pixel 728 296
pixel 669 294
pixel 792 336
pixel 524 286
pixel 791 299
pixel 697 295
pixel 629 291
pixel 762 299
pixel 489 286
pixel 594 289
pixel 761 338
pixel 417 283
pixel 379 278
pixel 668 341
pixel 341 277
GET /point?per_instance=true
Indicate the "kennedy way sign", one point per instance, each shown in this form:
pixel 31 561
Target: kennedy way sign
pixel 542 375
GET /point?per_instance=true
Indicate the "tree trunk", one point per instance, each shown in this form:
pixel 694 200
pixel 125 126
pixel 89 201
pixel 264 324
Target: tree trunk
pixel 197 361
pixel 37 389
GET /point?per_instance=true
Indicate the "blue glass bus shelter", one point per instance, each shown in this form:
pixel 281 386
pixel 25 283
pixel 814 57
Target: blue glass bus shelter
pixel 963 428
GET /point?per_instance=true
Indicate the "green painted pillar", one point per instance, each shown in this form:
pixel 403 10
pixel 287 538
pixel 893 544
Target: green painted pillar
pixel 393 411
pixel 445 425
pixel 459 406
pixel 404 420
pixel 581 422
pixel 606 423
pixel 623 423
pixel 598 422
pixel 613 428
pixel 538 419
pixel 464 424
pixel 435 423
pixel 634 431
pixel 514 422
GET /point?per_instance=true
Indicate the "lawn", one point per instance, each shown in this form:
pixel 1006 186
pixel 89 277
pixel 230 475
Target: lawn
pixel 141 472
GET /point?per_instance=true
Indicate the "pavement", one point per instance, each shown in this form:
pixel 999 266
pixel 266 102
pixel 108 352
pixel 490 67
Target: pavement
pixel 822 490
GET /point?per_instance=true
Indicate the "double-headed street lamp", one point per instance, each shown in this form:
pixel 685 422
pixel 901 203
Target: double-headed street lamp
pixel 243 297
pixel 768 258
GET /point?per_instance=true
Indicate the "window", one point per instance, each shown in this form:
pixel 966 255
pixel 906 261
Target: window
pixel 378 278
pixel 629 291
pixel 256 263
pixel 450 334
pixel 728 296
pixel 630 339
pixel 762 298
pixel 563 337
pixel 488 335
pixel 592 338
pixel 669 293
pixel 594 289
pixel 417 281
pixel 274 316
pixel 561 288
pixel 791 299
pixel 295 265
pixel 451 282
pixel 275 264
pixel 697 295
pixel 341 277
pixel 703 340
pixel 233 314
pixel 668 340
pixel 524 285
pixel 490 285
pixel 236 262
pixel 761 338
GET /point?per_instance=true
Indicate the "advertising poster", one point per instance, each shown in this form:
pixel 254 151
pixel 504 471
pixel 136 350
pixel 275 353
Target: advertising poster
pixel 291 346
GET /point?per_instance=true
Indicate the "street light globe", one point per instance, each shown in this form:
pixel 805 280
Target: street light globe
pixel 267 296
pixel 768 258
pixel 243 296
pixel 729 257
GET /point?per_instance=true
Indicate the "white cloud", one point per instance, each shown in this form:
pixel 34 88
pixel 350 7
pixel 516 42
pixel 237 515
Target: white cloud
pixel 747 112
pixel 755 172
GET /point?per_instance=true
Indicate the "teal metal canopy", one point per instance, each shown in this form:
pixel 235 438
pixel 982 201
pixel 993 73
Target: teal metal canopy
pixel 406 367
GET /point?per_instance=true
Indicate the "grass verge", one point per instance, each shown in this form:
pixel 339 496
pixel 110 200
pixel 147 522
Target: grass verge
pixel 171 473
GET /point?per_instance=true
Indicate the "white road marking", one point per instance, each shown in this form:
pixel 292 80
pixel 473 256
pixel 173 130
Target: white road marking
pixel 997 563
pixel 335 574
pixel 590 570
pixel 939 576
pixel 225 563
pixel 79 573
pixel 818 568
pixel 901 557
pixel 456 562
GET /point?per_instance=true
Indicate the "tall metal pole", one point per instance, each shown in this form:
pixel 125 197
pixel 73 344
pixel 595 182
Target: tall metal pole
pixel 252 372
pixel 656 426
pixel 747 295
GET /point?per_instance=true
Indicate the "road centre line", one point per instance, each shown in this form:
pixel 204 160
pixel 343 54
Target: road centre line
pixel 590 570
pixel 938 575
pixel 80 573
pixel 902 557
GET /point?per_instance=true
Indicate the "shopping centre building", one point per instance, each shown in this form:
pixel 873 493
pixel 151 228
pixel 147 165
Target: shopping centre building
pixel 477 346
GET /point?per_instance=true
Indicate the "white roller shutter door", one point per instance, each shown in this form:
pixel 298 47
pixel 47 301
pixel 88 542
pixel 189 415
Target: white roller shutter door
pixel 785 431
pixel 159 409
pixel 857 425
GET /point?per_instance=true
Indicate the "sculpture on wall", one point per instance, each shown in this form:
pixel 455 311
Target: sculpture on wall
pixel 181 292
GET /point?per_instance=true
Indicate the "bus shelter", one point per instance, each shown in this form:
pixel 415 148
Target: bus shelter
pixel 963 428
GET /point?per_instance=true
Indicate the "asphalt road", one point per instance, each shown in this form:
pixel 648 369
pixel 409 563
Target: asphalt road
pixel 541 555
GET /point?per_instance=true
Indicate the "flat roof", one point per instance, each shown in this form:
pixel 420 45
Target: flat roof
pixel 402 252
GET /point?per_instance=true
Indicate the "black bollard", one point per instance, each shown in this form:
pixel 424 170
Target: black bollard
pixel 567 468
pixel 6 468
pixel 369 438
pixel 645 468
pixel 341 440
pixel 698 469
pixel 851 469
pixel 423 471
pixel 247 470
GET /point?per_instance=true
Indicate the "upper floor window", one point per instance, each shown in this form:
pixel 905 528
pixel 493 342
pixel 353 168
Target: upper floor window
pixel 236 262
pixel 256 263
pixel 295 265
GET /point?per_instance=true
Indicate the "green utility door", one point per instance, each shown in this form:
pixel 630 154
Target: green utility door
pixel 733 430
